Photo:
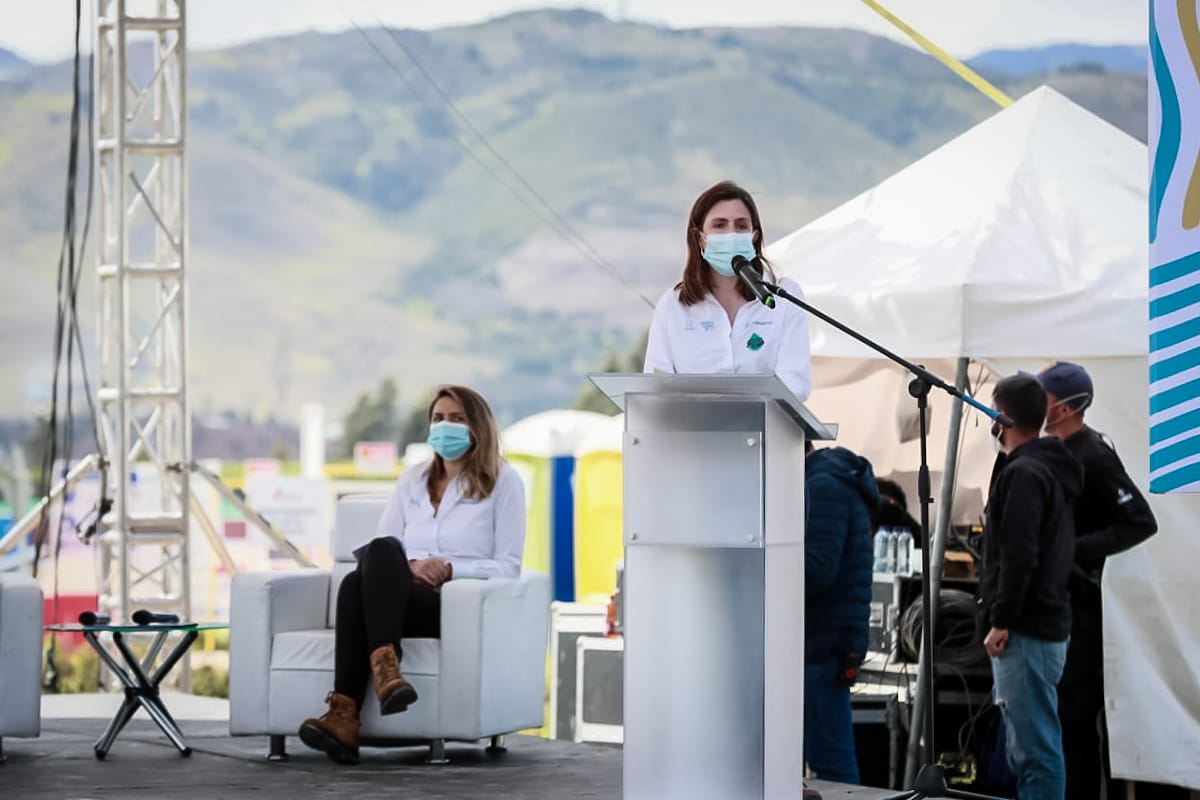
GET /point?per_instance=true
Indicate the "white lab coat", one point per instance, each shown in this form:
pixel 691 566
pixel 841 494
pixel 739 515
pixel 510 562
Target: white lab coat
pixel 480 538
pixel 698 339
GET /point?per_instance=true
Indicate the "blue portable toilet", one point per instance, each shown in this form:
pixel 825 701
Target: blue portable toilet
pixel 542 448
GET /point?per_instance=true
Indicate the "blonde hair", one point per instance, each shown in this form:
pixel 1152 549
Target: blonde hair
pixel 481 464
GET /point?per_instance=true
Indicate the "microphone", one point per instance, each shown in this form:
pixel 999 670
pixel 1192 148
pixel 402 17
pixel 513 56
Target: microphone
pixel 144 617
pixel 751 276
pixel 90 618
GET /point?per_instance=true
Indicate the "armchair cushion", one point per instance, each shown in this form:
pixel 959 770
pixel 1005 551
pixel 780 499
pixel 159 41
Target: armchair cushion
pixel 313 650
pixel 262 605
pixel 355 523
pixel 20 655
pixel 494 635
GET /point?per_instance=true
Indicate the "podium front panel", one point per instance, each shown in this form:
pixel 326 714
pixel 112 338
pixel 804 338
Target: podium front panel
pixel 714 592
pixel 698 488
pixel 694 691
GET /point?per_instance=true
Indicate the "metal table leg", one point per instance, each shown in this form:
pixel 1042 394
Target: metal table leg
pixel 141 690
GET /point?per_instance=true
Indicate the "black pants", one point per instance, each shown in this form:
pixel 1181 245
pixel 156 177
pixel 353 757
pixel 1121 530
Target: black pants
pixel 1081 702
pixel 378 604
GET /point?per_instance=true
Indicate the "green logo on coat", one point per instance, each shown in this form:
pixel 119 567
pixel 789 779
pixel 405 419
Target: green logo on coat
pixel 755 342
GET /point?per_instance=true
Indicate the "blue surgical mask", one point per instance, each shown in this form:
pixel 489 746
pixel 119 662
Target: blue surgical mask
pixel 450 440
pixel 720 248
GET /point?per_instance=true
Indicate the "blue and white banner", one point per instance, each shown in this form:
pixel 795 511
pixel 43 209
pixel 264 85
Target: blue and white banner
pixel 1174 246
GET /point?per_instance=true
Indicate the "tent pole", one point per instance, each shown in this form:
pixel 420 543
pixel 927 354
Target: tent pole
pixel 936 555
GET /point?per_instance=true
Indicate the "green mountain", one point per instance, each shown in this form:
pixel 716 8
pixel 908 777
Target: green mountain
pixel 1037 60
pixel 347 224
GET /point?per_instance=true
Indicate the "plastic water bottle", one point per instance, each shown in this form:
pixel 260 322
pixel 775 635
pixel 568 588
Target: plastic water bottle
pixel 904 553
pixel 883 548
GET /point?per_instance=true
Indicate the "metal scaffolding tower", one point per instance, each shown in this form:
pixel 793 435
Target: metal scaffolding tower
pixel 140 113
pixel 140 108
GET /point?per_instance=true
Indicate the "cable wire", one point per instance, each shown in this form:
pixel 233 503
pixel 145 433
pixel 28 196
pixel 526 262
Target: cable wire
pixel 566 225
pixel 554 219
pixel 955 641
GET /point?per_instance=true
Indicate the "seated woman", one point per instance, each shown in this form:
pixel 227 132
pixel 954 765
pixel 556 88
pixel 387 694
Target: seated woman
pixel 461 515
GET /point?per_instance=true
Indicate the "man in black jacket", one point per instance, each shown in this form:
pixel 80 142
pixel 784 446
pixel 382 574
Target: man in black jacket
pixel 1111 516
pixel 1024 606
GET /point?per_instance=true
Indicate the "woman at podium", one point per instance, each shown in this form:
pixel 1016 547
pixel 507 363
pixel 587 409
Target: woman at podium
pixel 711 322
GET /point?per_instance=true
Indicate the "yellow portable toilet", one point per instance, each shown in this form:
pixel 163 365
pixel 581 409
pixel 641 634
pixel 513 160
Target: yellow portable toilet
pixel 599 545
pixel 542 449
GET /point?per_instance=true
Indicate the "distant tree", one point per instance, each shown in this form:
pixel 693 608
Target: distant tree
pixel 373 418
pixel 590 398
pixel 281 450
pixel 416 425
pixel 1086 67
pixel 37 444
pixel 636 359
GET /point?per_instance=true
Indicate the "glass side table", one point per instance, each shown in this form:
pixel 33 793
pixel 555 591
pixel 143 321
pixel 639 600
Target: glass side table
pixel 141 678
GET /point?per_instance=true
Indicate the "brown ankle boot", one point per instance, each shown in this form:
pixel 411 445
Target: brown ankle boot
pixel 335 732
pixel 395 694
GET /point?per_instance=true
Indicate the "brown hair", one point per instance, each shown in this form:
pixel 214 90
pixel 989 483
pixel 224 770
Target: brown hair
pixel 1023 399
pixel 697 275
pixel 481 464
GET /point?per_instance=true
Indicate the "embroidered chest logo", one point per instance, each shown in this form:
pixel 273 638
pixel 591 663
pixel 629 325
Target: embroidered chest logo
pixel 755 342
pixel 708 326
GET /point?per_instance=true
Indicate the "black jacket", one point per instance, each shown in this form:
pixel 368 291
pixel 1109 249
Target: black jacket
pixel 841 493
pixel 1029 541
pixel 1111 515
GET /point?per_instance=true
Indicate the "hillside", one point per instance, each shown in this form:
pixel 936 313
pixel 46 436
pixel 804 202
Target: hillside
pixel 1058 57
pixel 342 233
pixel 12 65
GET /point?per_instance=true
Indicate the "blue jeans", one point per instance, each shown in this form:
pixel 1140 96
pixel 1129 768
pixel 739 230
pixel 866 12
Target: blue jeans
pixel 1026 678
pixel 828 725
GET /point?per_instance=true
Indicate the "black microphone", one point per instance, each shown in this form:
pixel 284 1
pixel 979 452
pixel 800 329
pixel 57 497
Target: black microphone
pixel 144 617
pixel 752 277
pixel 90 618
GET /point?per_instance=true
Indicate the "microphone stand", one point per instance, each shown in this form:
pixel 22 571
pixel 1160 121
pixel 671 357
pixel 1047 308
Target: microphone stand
pixel 931 779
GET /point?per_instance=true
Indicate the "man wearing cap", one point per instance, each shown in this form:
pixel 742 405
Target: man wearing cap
pixel 1111 516
pixel 1023 601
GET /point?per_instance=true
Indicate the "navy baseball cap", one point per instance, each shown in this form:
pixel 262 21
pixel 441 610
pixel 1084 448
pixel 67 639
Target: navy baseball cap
pixel 1069 383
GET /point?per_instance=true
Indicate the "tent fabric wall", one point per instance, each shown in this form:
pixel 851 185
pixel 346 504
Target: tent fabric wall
pixel 1020 241
pixel 877 418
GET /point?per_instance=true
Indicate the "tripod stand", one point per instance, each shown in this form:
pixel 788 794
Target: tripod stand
pixel 931 780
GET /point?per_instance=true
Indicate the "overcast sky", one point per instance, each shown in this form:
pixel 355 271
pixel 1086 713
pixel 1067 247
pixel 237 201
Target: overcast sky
pixel 43 30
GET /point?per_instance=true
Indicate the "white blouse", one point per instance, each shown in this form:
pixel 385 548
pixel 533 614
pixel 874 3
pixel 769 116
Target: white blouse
pixel 698 339
pixel 480 538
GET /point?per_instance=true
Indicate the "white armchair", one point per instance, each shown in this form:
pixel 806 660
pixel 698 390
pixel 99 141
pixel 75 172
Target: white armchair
pixel 484 678
pixel 20 657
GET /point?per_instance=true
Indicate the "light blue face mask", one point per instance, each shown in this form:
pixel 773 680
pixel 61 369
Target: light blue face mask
pixel 450 440
pixel 720 248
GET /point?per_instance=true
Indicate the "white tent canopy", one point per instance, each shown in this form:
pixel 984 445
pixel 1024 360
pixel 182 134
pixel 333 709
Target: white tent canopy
pixel 1021 241
pixel 1036 214
pixel 554 433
